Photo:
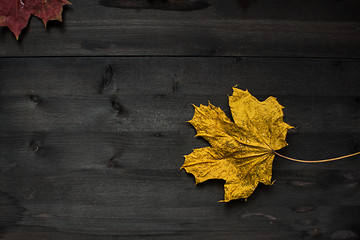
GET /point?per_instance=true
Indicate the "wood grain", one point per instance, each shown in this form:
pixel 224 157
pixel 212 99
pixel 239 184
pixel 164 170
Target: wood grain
pixel 67 188
pixel 165 113
pixel 170 5
pixel 169 76
pixel 96 154
pixel 93 118
pixel 281 28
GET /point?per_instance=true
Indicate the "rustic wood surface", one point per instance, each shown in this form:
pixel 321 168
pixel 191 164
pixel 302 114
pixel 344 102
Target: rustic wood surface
pixel 93 118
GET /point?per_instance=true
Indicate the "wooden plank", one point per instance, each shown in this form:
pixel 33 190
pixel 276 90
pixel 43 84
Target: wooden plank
pixel 166 113
pixel 280 28
pixel 170 76
pixel 153 151
pixel 78 195
pixel 76 165
pixel 91 144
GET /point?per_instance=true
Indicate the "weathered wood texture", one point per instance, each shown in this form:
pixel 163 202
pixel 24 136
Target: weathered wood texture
pixel 96 153
pixel 92 137
pixel 320 28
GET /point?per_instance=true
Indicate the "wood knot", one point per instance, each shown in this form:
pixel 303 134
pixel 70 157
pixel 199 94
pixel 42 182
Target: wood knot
pixel 117 106
pixel 176 85
pixel 114 163
pixel 35 98
pixel 107 76
pixel 35 146
pixel 302 183
pixel 303 209
pixel 158 134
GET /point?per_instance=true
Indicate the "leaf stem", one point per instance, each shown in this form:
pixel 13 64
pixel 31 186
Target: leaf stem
pixel 317 161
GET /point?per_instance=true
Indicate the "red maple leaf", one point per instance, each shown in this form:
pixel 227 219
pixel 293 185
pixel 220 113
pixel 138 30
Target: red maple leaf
pixel 15 14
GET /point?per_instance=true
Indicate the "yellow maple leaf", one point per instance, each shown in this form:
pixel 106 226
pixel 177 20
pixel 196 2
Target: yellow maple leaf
pixel 242 151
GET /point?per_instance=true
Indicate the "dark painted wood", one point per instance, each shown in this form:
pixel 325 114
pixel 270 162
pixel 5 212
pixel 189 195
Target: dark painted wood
pixel 267 28
pixel 153 150
pixel 170 5
pixel 168 76
pixel 161 113
pixel 98 155
pixel 93 118
pixel 67 188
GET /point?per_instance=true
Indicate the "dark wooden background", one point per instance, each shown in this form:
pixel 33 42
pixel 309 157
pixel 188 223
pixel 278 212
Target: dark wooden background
pixel 93 118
